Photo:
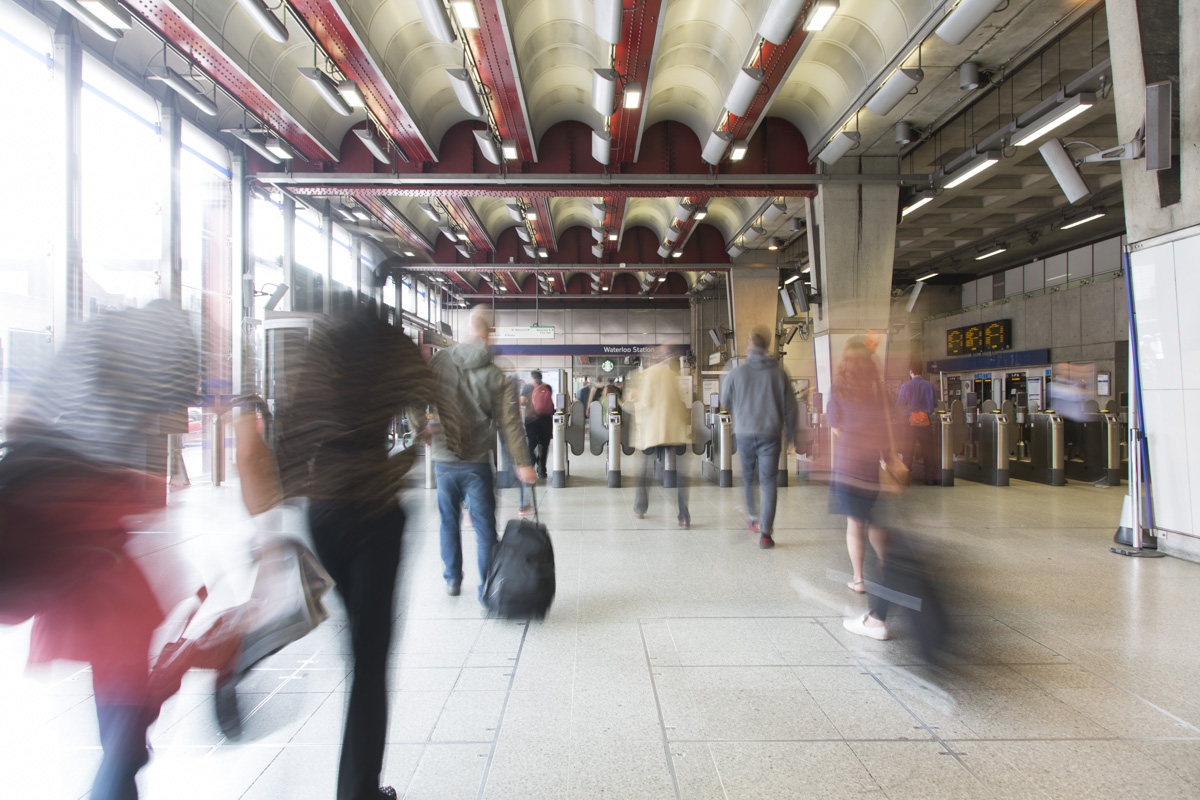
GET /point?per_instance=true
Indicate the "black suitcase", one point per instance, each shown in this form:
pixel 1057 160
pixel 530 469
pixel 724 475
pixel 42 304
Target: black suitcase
pixel 520 579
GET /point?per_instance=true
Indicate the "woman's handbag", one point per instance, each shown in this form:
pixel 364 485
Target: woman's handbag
pixel 893 475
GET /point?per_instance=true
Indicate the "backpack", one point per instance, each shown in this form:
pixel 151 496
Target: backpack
pixel 542 400
pixel 520 580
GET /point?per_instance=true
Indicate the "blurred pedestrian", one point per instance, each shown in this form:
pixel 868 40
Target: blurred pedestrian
pixel 916 402
pixel 856 414
pixel 537 401
pixel 481 396
pixel 585 394
pixel 660 423
pixel 758 393
pixel 80 459
pixel 356 378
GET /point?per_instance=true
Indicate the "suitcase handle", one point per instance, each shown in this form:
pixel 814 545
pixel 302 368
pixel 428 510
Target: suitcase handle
pixel 533 496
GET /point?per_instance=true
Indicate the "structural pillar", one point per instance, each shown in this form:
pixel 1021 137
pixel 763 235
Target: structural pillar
pixel 243 268
pixel 289 252
pixel 754 292
pixel 851 245
pixel 68 250
pixel 171 275
pixel 327 242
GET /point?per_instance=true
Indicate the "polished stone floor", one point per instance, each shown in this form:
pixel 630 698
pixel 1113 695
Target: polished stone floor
pixel 691 664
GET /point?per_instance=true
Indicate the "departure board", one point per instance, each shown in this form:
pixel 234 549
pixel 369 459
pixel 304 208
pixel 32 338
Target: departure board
pixel 987 337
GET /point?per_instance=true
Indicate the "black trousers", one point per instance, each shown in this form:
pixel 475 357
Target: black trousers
pixel 363 555
pixel 641 498
pixel 539 432
pixel 921 437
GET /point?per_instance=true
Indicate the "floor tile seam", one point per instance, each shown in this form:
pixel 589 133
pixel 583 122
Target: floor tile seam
pixel 487 767
pixel 662 725
pixel 1052 739
pixel 818 740
pixel 262 772
pixel 222 739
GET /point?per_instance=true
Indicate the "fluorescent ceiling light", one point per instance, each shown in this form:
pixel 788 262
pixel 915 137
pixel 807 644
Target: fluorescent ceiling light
pixel 633 95
pixel 977 165
pixel 326 88
pixel 774 211
pixel 374 145
pixel 410 254
pixel 276 146
pixel 739 150
pixel 894 89
pixel 352 94
pixel 1094 215
pixel 464 12
pixel 464 90
pixel 714 148
pixel 612 236
pixel 543 252
pixel 604 288
pixel 110 12
pixel 487 145
pixel 807 269
pixel 919 199
pixel 927 277
pixel 745 87
pixel 774 243
pixel 514 211
pixel 602 146
pixel 792 279
pixel 701 212
pixel 674 254
pixel 838 146
pixel 359 212
pixel 508 147
pixel 265 19
pixel 247 138
pixel 91 20
pixel 430 211
pixel 819 15
pixel 462 234
pixel 1070 108
pixel 752 233
pixel 606 19
pixel 965 18
pixel 779 20
pixel 436 19
pixel 991 250
pixel 683 211
pixel 184 89
pixel 531 213
pixel 604 91
pixel 343 211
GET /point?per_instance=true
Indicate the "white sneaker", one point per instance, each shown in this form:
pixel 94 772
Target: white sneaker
pixel 859 625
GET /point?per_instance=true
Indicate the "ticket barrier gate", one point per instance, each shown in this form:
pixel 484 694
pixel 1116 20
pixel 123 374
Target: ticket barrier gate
pixel 813 456
pixel 988 444
pixel 568 424
pixel 1097 447
pixel 713 441
pixel 1042 458
pixel 609 428
pixel 666 466
pixel 949 438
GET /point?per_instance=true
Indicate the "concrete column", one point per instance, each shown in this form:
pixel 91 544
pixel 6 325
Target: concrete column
pixel 356 261
pixel 851 245
pixel 68 248
pixel 327 242
pixel 755 300
pixel 289 253
pixel 243 270
pixel 171 275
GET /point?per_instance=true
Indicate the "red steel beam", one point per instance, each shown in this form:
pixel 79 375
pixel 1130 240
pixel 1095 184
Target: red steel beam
pixel 545 191
pixel 498 70
pixel 387 214
pixel 462 213
pixel 543 226
pixel 206 53
pixel 632 57
pixel 775 61
pixel 331 28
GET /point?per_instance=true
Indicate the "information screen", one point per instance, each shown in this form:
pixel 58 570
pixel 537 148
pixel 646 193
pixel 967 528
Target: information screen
pixel 987 337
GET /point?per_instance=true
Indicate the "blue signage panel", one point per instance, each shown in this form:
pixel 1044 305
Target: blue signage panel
pixel 589 349
pixel 1025 358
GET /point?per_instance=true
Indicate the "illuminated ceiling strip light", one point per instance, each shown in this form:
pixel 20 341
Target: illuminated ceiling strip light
pixel 276 146
pixel 964 19
pixel 604 91
pixel 1064 111
pixel 184 89
pixel 464 90
pixel 819 15
pixel 738 152
pixel 612 236
pixel 326 88
pixel 633 95
pixel 984 160
pixel 352 94
pixel 508 148
pixel 779 20
pixel 927 277
pixel 995 250
pixel 894 89
pixel 111 13
pixel 606 19
pixel 464 12
pixel 792 279
pixel 701 212
pixel 91 20
pixel 374 145
pixel 745 88
pixel 919 199
pixel 1096 215
pixel 265 19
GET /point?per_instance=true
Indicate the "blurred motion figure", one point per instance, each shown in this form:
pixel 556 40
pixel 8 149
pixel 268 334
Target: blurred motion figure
pixel 660 422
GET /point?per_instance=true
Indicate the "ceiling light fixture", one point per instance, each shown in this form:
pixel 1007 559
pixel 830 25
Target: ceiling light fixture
pixel 735 250
pixel 664 250
pixel 714 148
pixel 91 20
pixel 1092 215
pixel 276 146
pixel 514 211
pixel 894 90
pixel 598 234
pixel 508 148
pixel 437 21
pixel 377 148
pixel 448 232
pixel 774 211
pixel 248 139
pixel 965 18
pixel 599 211
pixel 779 20
pixel 598 250
pixel 982 161
pixel 683 211
pixel 530 251
pixel 462 234
pixel 752 233
pixel 606 19
pixel 921 198
pixel 991 250
pixel 410 254
pixel 430 211
pixel 673 233
pixel 487 145
pixel 904 132
pixel 792 279
pixel 523 233
pixel 1063 168
pixel 838 146
pixel 184 89
pixel 543 252
pixel 464 12
pixel 633 95
pixel 602 146
pixel 360 213
pixel 326 88
pixel 819 14
pixel 531 214
pixel 612 236
pixel 969 78
pixel 265 19
pixel 110 12
pixel 464 90
pixel 745 87
pixel 701 212
pixel 352 94
pixel 1067 109
pixel 738 152
pixel 927 277
pixel 463 250
pixel 774 243
pixel 604 90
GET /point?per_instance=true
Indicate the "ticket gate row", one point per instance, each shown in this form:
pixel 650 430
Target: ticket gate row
pixel 713 441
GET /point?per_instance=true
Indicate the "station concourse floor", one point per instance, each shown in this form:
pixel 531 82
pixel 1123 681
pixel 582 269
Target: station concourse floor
pixel 691 664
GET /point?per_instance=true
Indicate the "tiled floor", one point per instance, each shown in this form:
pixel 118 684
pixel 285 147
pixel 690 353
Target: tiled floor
pixel 693 665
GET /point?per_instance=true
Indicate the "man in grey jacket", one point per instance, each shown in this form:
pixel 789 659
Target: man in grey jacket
pixel 759 394
pixel 485 403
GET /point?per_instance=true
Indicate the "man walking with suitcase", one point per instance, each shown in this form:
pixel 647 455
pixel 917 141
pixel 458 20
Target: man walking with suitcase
pixel 482 397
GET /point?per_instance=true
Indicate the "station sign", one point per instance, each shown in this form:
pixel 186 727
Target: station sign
pixel 524 332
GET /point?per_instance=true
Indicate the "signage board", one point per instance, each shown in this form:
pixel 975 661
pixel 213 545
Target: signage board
pixel 524 332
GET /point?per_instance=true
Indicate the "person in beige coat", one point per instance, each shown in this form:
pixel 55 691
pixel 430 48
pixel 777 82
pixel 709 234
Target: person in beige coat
pixel 660 421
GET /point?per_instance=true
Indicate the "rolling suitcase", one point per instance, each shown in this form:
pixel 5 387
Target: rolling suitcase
pixel 520 580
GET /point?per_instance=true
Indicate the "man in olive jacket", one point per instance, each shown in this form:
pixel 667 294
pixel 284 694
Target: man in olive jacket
pixel 483 397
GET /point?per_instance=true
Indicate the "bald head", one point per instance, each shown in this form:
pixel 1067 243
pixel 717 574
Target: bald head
pixel 480 321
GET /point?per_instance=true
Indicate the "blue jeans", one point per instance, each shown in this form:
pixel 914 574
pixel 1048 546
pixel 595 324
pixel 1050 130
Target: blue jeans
pixel 474 483
pixel 760 454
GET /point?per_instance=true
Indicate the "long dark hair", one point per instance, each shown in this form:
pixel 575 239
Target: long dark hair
pixel 857 378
